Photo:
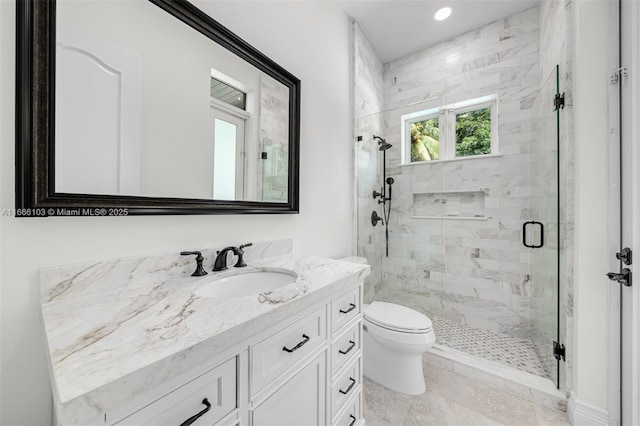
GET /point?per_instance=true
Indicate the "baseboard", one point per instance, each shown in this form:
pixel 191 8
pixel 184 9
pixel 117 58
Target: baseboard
pixel 583 414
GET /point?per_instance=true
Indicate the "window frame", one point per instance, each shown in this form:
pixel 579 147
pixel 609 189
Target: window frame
pixel 447 124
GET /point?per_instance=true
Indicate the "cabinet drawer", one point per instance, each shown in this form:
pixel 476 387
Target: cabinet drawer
pixel 280 351
pixel 350 414
pixel 345 347
pixel 344 387
pixel 217 386
pixel 345 308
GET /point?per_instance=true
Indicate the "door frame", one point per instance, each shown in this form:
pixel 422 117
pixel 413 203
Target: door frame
pixel 631 56
pixel 624 48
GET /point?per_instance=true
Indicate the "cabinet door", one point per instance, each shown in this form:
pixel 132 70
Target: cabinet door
pixel 299 402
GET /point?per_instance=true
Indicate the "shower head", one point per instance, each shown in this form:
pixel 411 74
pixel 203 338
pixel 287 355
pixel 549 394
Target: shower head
pixel 382 144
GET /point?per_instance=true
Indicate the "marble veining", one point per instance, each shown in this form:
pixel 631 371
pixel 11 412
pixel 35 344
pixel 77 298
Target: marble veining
pixel 117 328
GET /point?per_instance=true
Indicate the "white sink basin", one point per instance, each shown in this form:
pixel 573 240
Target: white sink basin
pixel 246 284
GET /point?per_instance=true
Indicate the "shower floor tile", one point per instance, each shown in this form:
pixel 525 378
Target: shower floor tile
pixel 508 350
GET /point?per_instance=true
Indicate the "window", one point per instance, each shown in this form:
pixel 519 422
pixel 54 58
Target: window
pixel 463 129
pixel 228 94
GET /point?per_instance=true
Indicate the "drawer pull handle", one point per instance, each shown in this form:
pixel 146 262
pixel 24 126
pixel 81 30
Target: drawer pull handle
pixel 351 308
pixel 192 419
pixel 353 382
pixel 349 349
pixel 299 345
pixel 353 419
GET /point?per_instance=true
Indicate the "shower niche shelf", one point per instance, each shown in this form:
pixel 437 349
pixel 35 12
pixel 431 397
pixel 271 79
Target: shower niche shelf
pixel 454 204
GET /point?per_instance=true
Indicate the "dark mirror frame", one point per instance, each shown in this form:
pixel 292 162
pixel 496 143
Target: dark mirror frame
pixel 35 123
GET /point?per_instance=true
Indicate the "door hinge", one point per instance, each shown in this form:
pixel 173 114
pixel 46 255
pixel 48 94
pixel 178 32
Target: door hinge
pixel 559 351
pixel 558 101
pixel 263 155
pixel 614 77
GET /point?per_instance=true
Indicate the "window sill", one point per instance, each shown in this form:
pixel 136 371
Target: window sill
pixel 474 157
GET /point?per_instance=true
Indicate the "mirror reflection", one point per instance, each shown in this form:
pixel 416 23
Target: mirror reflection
pixel 147 106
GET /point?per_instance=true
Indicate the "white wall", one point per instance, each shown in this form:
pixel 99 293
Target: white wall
pixel 591 248
pixel 309 39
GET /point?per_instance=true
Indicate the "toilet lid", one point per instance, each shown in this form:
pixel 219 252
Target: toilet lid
pixel 396 317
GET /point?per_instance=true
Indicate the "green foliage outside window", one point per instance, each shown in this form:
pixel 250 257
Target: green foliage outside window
pixel 425 140
pixel 473 133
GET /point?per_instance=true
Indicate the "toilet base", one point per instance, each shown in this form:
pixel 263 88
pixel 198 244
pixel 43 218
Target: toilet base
pixel 399 372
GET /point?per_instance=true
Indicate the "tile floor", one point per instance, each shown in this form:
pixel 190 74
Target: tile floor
pixel 508 350
pixel 453 400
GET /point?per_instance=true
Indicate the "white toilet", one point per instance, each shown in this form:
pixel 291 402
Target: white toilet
pixel 395 337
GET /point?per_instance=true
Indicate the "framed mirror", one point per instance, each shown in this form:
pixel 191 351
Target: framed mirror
pixel 149 107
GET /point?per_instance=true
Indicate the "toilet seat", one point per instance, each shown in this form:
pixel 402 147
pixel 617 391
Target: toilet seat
pixel 397 318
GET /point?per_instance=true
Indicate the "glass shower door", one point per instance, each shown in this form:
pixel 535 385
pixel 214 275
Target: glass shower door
pixel 541 231
pixel 275 165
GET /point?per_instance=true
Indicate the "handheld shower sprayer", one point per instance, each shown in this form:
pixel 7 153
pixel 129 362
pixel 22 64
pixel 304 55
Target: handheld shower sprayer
pixel 385 200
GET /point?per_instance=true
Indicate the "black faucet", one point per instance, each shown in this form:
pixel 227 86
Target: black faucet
pixel 199 259
pixel 220 263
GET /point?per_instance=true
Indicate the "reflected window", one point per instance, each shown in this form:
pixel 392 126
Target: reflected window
pixel 228 94
pixel 224 160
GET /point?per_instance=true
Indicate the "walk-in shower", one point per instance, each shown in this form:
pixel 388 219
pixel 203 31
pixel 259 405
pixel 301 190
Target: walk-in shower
pixel 480 128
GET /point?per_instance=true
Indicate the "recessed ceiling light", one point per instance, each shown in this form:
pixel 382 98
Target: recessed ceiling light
pixel 442 13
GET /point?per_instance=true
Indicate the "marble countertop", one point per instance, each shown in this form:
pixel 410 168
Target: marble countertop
pixel 116 329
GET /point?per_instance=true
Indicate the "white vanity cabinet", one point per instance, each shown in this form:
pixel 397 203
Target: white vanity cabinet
pixel 306 370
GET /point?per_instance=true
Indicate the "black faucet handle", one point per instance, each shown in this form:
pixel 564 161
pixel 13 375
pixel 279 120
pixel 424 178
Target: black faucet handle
pixel 199 272
pixel 241 263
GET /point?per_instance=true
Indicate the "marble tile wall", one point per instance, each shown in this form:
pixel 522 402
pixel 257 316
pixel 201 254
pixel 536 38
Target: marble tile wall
pixel 367 104
pixel 475 272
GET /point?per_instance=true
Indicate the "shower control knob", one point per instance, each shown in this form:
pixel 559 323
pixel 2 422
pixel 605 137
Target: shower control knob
pixel 376 194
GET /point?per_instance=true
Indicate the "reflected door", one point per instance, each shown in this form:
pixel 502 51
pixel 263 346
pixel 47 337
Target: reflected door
pixel 98 98
pixel 228 156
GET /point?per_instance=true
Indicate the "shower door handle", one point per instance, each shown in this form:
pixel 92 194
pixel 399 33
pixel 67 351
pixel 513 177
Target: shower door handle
pixel 524 234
